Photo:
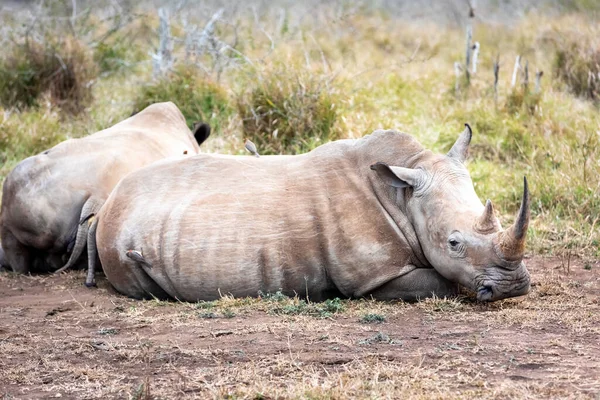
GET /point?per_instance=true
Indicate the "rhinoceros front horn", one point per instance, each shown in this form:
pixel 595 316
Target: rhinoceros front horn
pixel 512 241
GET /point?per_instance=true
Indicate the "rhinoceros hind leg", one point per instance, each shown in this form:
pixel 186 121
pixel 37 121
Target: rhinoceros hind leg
pixel 418 284
pixel 133 281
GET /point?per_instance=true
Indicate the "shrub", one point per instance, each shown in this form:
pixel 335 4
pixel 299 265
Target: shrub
pixel 62 69
pixel 577 64
pixel 198 99
pixel 288 112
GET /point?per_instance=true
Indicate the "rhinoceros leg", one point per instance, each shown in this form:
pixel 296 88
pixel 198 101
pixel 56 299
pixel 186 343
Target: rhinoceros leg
pixel 16 256
pixel 130 276
pixel 134 282
pixel 417 284
pixel 89 209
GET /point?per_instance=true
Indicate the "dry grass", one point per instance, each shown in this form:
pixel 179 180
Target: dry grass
pixel 294 89
pixel 577 64
pixel 58 338
pixel 92 344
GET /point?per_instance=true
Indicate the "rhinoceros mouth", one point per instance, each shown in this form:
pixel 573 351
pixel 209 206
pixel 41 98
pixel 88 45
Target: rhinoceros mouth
pixel 485 293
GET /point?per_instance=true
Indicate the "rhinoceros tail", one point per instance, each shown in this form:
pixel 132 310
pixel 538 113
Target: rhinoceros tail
pixel 88 211
pixel 138 258
pixel 92 251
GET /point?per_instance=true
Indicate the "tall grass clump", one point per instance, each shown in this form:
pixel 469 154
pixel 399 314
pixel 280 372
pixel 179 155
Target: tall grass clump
pixel 577 65
pixel 288 111
pixel 59 69
pixel 198 98
pixel 26 134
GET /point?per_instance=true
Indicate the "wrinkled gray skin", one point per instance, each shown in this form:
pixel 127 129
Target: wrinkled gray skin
pixel 46 196
pixel 379 216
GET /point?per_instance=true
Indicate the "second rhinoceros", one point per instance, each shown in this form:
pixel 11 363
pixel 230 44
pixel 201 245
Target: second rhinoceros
pixel 49 199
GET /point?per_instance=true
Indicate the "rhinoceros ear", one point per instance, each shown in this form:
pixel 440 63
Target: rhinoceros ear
pixel 399 177
pixel 460 149
pixel 201 132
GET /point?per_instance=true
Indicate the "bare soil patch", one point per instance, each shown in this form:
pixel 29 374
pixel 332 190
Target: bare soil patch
pixel 59 339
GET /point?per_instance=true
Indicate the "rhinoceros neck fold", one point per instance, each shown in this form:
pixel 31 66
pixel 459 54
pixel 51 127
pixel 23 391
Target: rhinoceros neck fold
pixel 393 202
pixel 402 150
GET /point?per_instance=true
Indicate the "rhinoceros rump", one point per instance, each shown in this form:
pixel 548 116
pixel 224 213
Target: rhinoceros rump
pixel 50 199
pixel 379 216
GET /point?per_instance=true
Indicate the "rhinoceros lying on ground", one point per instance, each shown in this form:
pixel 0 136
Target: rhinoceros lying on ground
pixel 46 196
pixel 379 216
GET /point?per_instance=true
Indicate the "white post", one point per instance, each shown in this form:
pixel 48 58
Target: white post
pixel 538 81
pixel 475 57
pixel 513 82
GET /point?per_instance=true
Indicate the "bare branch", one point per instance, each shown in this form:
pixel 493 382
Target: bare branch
pixel 526 76
pixel 496 73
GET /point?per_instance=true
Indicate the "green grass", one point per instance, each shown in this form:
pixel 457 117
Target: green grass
pixel 321 82
pixel 372 318
pixel 295 306
pixel 26 134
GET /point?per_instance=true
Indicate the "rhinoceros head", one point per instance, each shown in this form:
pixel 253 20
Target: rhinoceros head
pixel 460 237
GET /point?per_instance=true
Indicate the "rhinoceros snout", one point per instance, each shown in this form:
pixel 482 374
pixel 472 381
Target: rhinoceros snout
pixel 485 293
pixel 492 291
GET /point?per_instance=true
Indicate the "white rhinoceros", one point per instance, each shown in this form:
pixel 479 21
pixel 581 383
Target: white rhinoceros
pixel 48 199
pixel 378 216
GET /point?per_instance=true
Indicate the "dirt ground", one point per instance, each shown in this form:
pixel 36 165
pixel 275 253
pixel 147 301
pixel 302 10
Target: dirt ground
pixel 59 339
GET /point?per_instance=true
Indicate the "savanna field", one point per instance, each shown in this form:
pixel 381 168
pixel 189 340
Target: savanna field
pixel 291 76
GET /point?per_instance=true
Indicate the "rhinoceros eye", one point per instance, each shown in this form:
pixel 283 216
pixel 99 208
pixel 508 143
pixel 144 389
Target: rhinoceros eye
pixel 455 244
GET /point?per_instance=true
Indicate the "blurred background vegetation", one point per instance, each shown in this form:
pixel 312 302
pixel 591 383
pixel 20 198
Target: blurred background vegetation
pixel 292 75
